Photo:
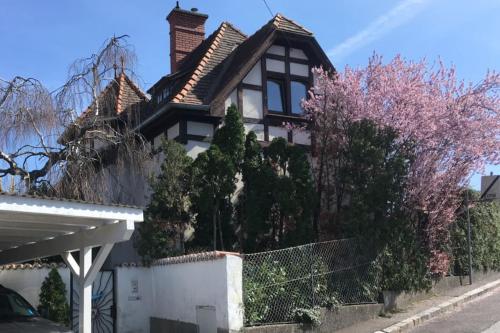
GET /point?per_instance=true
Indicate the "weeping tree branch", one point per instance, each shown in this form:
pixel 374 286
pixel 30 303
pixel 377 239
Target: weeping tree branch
pixel 67 138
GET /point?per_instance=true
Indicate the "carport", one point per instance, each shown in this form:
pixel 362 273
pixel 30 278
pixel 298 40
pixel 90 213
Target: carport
pixel 35 227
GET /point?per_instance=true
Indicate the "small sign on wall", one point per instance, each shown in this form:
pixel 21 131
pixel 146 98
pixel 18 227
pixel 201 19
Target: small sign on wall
pixel 134 290
pixel 134 286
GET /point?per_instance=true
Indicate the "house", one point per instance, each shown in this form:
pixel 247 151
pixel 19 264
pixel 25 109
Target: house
pixel 266 75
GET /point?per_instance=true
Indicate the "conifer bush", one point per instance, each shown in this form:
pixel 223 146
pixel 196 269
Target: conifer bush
pixel 53 303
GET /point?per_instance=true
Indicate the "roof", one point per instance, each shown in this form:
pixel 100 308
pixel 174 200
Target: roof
pixel 32 226
pixel 207 70
pixel 118 96
pixel 285 24
pixel 43 265
pixel 120 93
pixel 22 195
pixel 192 81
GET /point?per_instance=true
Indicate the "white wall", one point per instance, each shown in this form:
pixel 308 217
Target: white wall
pixel 258 129
pixel 133 307
pixel 231 99
pixel 252 104
pixel 174 291
pixel 302 137
pixel 254 76
pixel 194 148
pixel 28 282
pixel 277 132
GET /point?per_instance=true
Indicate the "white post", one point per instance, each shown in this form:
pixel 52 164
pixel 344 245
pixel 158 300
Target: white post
pixel 85 291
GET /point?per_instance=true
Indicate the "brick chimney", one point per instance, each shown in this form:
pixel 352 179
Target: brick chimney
pixel 187 31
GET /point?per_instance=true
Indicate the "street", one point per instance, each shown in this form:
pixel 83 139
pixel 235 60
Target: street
pixel 479 316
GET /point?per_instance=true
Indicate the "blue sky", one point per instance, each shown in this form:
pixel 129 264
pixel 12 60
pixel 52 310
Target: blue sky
pixel 41 38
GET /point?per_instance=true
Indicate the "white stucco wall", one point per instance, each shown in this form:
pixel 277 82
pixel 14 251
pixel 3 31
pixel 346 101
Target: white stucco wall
pixel 258 129
pixel 28 282
pixel 134 305
pixel 231 99
pixel 194 148
pixel 277 132
pixel 252 104
pixel 254 76
pixel 302 137
pixel 174 291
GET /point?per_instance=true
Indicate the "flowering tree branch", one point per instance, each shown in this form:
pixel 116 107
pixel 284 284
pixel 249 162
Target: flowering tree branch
pixel 454 127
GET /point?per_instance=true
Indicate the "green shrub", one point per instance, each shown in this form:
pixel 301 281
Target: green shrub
pixel 274 290
pixel 53 303
pixel 308 316
pixel 485 236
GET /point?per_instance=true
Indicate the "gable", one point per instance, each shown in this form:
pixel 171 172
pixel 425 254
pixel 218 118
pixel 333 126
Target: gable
pixel 302 53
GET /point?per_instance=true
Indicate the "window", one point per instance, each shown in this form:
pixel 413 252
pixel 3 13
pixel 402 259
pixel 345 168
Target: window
pixel 287 78
pixel 274 65
pixel 298 92
pixel 275 96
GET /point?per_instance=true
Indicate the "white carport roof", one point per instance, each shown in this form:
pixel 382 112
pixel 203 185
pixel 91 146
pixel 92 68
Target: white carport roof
pixel 36 227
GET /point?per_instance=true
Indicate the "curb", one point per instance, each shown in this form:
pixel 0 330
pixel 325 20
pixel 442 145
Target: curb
pixel 420 318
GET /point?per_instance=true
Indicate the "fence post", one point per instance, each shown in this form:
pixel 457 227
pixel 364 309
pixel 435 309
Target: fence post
pixel 311 259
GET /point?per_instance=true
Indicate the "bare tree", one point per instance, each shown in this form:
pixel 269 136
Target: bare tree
pixel 71 142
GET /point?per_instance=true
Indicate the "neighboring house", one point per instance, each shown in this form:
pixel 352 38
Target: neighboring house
pixel 266 75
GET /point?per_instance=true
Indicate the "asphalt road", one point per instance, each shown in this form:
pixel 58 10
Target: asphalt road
pixel 480 316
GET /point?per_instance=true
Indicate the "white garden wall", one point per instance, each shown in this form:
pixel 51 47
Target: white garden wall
pixel 173 289
pixel 134 299
pixel 177 289
pixel 28 281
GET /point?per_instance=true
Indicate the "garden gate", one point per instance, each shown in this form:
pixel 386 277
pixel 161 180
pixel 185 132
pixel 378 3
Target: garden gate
pixel 103 303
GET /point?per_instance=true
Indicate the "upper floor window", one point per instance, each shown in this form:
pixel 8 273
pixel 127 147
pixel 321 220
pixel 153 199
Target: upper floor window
pixel 287 79
pixel 275 95
pixel 298 92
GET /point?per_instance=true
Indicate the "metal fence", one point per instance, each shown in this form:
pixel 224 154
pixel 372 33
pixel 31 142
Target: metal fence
pixel 278 283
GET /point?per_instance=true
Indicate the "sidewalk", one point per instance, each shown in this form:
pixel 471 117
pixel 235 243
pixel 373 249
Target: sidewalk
pixel 381 323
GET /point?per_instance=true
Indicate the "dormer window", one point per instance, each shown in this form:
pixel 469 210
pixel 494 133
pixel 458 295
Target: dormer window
pixel 163 94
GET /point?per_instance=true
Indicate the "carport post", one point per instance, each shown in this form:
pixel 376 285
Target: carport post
pixel 54 226
pixel 85 291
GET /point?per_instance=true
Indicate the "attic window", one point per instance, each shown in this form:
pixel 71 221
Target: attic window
pixel 288 77
pixel 275 94
pixel 298 92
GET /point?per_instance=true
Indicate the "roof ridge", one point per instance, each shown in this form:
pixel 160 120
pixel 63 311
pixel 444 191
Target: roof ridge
pixel 235 29
pixel 136 88
pixel 195 77
pixel 278 18
pixel 91 107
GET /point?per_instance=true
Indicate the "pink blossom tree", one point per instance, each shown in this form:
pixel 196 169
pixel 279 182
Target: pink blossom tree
pixel 454 126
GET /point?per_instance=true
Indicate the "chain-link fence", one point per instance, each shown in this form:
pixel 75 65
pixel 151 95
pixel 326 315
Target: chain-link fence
pixel 278 283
